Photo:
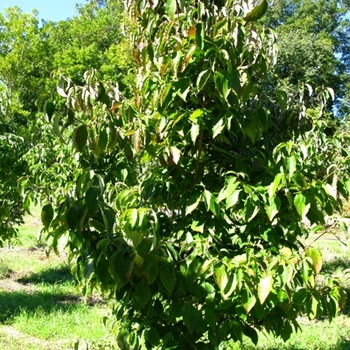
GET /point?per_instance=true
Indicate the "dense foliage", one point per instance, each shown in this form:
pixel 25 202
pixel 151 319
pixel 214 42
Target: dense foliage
pixel 183 191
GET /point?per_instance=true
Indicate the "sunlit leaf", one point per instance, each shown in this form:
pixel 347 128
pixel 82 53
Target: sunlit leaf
pixel 220 276
pixel 272 207
pixel 195 128
pixel 292 165
pixel 170 8
pixel 211 203
pixel 257 12
pixel 175 154
pixel 229 189
pixel 301 204
pixel 276 184
pixel 218 127
pixel 192 203
pixel 222 84
pixel 264 288
pixel 202 79
pixel 316 257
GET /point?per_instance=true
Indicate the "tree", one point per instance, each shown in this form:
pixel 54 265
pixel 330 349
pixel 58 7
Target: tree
pixel 312 45
pixel 91 40
pixel 187 200
pixel 30 57
pixel 12 166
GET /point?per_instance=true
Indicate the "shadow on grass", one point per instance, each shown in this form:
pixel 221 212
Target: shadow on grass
pixel 343 344
pixel 51 276
pixel 330 267
pixel 15 303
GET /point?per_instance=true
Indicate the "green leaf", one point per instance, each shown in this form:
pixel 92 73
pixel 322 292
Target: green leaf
pixel 229 188
pixel 276 184
pixel 221 331
pixel 292 165
pixel 191 318
pixel 195 128
pixel 301 205
pixel 175 154
pixel 282 99
pixel 46 215
pixel 231 286
pixel 135 238
pixel 202 79
pixel 128 150
pixel 264 288
pixel 49 109
pixel 236 330
pixel 56 127
pixel 193 202
pixel 152 336
pixel 287 331
pixel 152 270
pixel 196 114
pixel 299 179
pixel 257 12
pixel 300 296
pixel 200 35
pixel 311 307
pixel 252 334
pixel 132 218
pixel 91 199
pixel 221 278
pixel 218 127
pixel 211 203
pixel 210 317
pixel 167 276
pixel 222 84
pixel 72 217
pixel 142 293
pixel 232 200
pixel 185 63
pixel 272 207
pixel 250 302
pixel 170 9
pixel 80 137
pixel 135 140
pixel 316 257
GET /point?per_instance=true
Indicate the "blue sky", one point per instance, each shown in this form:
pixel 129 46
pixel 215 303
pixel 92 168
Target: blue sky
pixel 53 10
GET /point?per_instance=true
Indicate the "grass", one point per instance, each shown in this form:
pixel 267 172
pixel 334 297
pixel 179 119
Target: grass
pixel 40 306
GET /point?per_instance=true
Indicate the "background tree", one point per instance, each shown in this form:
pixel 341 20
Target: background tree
pixel 313 44
pixel 12 166
pixel 31 54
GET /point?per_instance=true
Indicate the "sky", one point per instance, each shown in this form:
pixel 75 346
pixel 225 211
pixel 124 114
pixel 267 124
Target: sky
pixel 49 10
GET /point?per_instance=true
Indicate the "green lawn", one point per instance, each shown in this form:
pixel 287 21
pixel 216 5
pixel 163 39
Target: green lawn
pixel 40 305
